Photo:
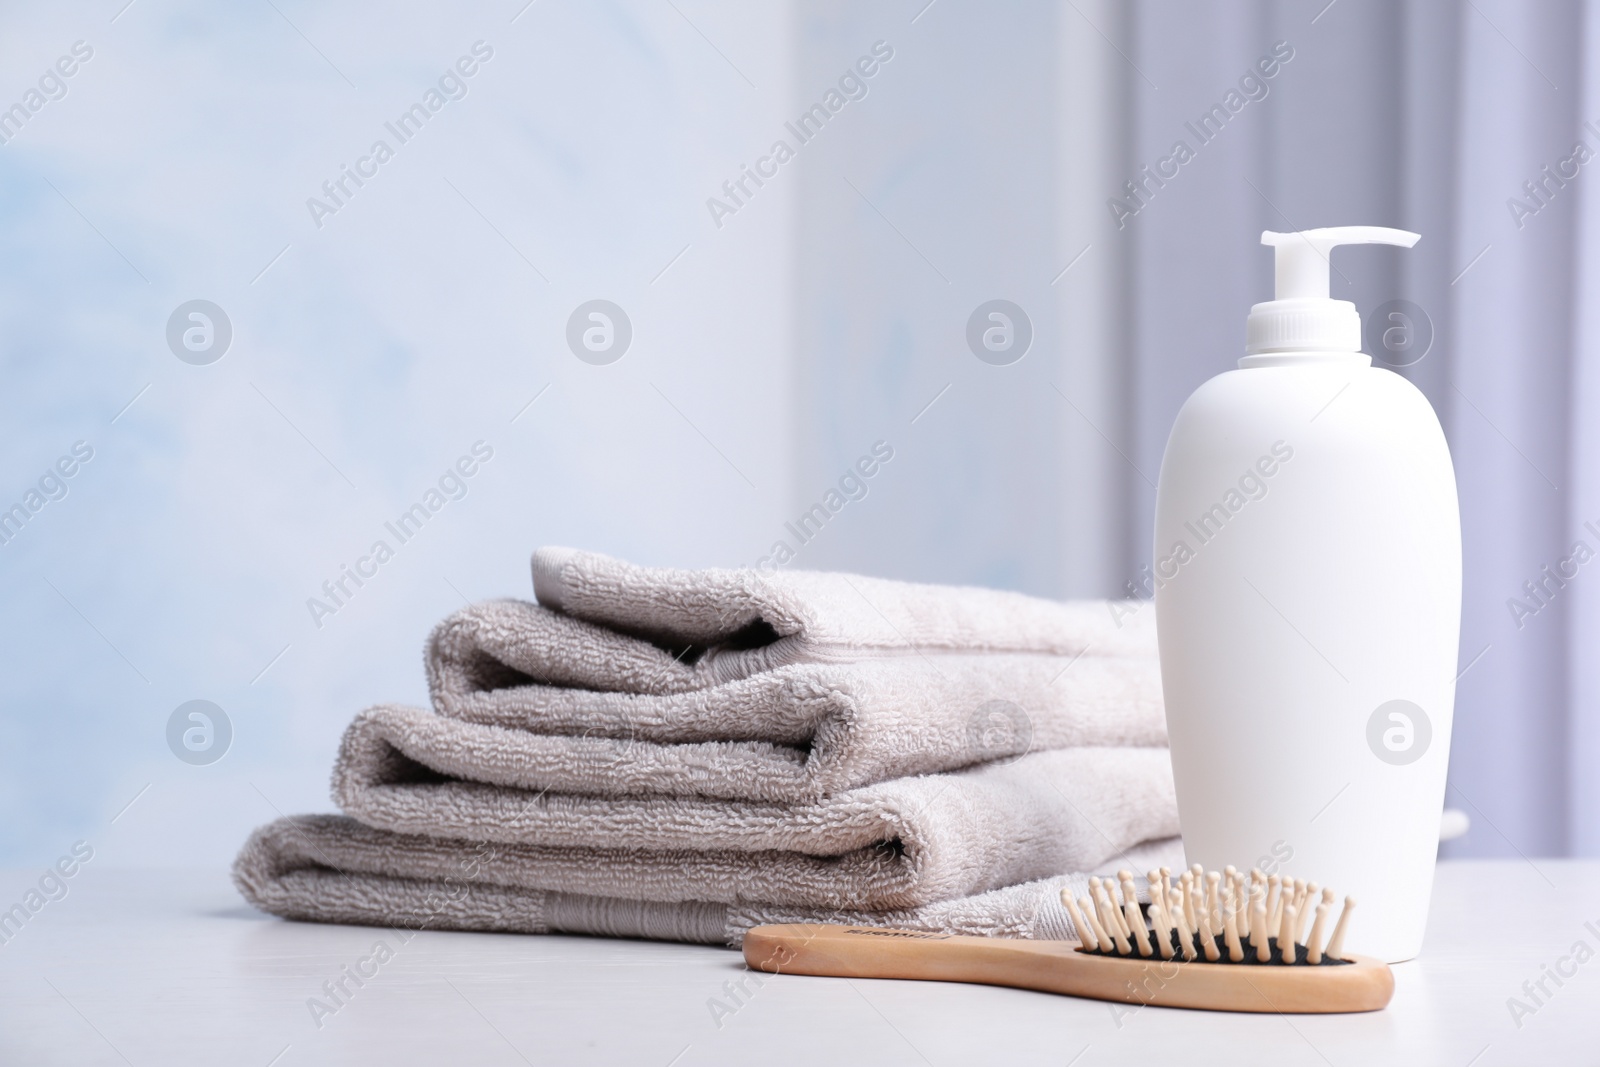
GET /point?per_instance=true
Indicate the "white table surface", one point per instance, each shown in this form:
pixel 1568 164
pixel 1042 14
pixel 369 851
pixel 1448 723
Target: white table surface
pixel 171 967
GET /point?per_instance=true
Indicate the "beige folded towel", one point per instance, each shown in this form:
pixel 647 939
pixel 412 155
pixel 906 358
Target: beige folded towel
pixel 683 754
pixel 785 687
pixel 896 844
pixel 744 621
pixel 326 868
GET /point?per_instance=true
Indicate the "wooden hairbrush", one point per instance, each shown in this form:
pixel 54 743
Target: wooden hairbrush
pixel 1197 944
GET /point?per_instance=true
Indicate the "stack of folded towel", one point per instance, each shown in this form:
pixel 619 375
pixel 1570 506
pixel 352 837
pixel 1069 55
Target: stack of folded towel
pixel 685 754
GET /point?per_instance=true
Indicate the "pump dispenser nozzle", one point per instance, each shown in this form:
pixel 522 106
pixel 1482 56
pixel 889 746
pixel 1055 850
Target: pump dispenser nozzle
pixel 1301 317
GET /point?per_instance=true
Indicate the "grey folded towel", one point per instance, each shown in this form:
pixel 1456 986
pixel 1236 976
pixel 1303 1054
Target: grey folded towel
pixel 789 686
pixel 751 620
pixel 901 843
pixel 684 754
pixel 327 868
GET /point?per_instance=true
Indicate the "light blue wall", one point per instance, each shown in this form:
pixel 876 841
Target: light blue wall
pixel 815 321
pixel 940 193
pixel 370 356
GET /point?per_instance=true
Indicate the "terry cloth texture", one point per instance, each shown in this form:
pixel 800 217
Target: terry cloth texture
pixel 786 687
pixel 328 868
pixel 684 754
pixel 895 844
pixel 743 621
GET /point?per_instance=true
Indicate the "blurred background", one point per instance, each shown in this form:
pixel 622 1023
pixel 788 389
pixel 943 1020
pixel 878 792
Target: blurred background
pixel 369 316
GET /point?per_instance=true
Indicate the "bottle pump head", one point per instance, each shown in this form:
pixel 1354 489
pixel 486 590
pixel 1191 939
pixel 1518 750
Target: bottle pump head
pixel 1301 318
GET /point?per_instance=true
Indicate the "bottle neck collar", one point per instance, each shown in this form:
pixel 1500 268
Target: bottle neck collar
pixel 1306 359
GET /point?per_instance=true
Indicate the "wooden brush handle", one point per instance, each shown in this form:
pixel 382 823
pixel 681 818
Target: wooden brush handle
pixel 1058 967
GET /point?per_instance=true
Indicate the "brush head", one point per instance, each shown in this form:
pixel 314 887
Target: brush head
pixel 1225 917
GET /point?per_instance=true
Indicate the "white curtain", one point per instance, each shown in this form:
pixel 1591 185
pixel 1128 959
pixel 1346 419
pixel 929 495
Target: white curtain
pixel 1430 116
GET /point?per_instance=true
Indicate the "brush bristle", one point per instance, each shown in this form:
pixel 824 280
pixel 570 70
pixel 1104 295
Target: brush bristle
pixel 1225 917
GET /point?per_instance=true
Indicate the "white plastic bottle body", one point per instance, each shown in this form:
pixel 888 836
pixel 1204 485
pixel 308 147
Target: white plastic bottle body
pixel 1308 601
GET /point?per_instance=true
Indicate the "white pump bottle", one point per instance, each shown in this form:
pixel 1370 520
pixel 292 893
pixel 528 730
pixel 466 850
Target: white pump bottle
pixel 1308 601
